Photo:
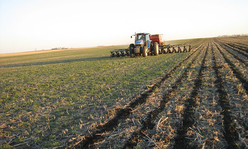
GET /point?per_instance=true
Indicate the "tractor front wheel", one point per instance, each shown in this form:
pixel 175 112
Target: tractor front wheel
pixel 132 55
pixel 131 50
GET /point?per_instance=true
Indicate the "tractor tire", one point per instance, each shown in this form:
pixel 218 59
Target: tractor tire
pixel 145 53
pixel 132 53
pixel 131 50
pixel 155 48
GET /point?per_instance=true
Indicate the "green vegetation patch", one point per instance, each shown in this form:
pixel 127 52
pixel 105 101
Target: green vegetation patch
pixel 47 98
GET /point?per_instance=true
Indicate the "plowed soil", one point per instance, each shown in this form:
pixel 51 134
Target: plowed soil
pixel 200 101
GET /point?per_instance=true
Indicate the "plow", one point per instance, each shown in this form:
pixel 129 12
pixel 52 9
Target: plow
pixel 147 45
pixel 120 52
pixel 175 49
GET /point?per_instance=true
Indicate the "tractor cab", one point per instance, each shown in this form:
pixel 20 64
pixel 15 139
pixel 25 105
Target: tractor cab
pixel 141 46
pixel 141 39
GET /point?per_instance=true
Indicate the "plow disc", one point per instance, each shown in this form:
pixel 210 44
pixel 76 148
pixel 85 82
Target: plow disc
pixel 119 52
pixel 174 48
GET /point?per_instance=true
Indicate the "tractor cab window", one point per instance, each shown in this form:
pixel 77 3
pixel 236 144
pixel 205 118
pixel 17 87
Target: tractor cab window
pixel 147 37
pixel 140 37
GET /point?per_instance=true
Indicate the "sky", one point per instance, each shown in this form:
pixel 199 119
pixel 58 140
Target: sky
pixel 29 25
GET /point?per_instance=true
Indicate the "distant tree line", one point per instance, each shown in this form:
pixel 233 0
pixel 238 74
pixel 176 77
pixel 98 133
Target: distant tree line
pixel 59 48
pixel 235 35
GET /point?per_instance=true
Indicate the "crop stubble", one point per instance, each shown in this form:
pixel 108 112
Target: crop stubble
pixel 87 141
pixel 200 103
pixel 199 116
pixel 148 105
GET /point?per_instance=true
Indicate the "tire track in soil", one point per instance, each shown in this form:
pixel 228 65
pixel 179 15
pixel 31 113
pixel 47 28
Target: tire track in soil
pixel 239 47
pixel 122 113
pixel 235 49
pixel 235 70
pixel 237 102
pixel 133 140
pixel 188 117
pixel 241 44
pixel 237 57
pixel 230 134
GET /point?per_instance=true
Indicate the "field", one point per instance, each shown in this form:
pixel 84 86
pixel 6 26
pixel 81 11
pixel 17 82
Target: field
pixel 83 98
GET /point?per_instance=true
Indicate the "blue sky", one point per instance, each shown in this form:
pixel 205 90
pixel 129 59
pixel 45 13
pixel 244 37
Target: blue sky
pixel 28 25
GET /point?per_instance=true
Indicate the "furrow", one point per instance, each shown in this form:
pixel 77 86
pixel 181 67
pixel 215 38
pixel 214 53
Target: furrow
pixel 236 71
pixel 231 134
pixel 208 129
pixel 87 140
pixel 133 140
pixel 181 141
pixel 242 52
pixel 237 57
pixel 245 49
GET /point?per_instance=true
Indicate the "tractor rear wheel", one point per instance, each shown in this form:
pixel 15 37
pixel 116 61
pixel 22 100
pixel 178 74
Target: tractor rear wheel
pixel 132 54
pixel 145 54
pixel 131 50
pixel 155 48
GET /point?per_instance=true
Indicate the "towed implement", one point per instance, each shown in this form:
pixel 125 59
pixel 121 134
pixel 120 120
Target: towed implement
pixel 175 48
pixel 147 44
pixel 120 52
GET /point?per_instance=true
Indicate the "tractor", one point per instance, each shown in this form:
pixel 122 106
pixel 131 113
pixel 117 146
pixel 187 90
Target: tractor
pixel 143 46
pixel 146 44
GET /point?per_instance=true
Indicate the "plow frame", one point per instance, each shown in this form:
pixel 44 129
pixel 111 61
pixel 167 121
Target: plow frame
pixel 174 48
pixel 119 52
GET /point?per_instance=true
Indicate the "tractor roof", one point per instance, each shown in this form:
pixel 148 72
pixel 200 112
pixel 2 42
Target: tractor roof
pixel 143 33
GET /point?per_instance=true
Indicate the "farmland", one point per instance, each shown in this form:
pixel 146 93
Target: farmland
pixel 83 98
